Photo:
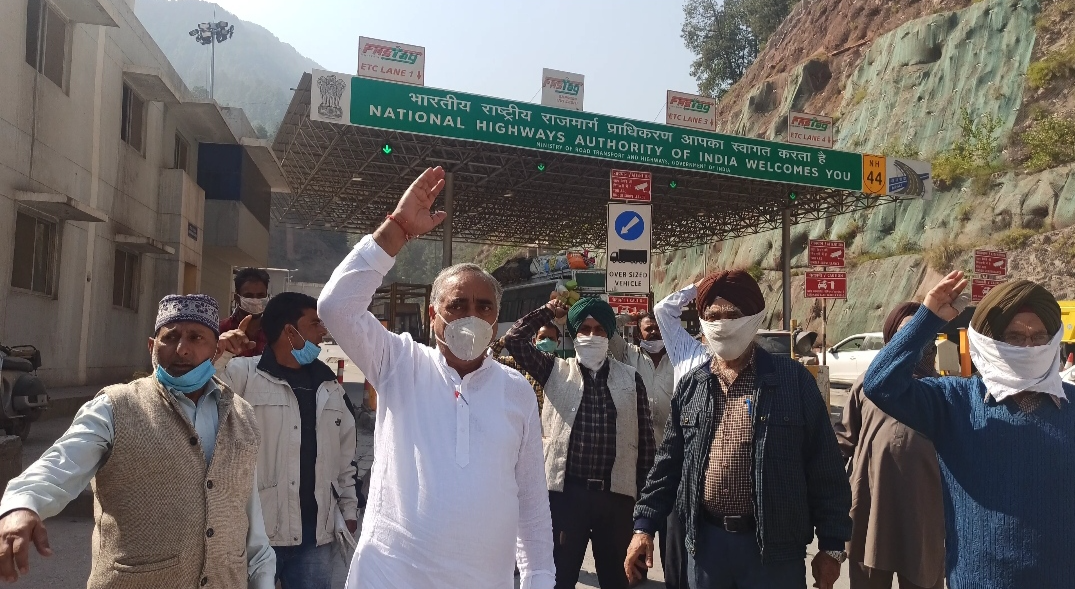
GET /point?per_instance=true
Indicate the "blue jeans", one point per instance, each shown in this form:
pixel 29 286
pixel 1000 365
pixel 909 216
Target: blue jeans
pixel 304 567
pixel 727 560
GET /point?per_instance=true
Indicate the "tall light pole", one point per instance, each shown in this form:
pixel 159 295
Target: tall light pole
pixel 211 33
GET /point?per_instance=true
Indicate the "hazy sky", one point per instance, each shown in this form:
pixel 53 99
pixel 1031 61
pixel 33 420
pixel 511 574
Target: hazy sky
pixel 629 50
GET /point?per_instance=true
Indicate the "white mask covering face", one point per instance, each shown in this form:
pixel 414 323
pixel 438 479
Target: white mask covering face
pixel 467 337
pixel 591 350
pixel 727 339
pixel 253 306
pixel 1008 370
pixel 652 347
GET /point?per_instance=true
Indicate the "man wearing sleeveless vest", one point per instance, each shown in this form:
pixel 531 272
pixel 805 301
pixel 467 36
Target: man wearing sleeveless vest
pixel 171 458
pixel 598 438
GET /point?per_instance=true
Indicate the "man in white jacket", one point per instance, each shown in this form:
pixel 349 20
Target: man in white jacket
pixel 458 487
pixel 305 461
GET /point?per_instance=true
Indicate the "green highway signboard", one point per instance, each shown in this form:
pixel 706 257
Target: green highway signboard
pixel 378 104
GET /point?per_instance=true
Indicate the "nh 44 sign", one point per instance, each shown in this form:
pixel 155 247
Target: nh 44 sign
pixel 628 305
pixel 979 287
pixel 990 263
pixel 630 186
pixel 826 285
pixel 824 252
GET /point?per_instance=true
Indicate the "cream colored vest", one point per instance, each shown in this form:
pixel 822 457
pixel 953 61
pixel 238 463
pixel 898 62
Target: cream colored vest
pixel 563 394
pixel 163 519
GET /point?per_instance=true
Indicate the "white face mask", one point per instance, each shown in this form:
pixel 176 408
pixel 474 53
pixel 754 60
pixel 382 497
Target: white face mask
pixel 467 337
pixel 727 339
pixel 1009 370
pixel 652 347
pixel 253 306
pixel 591 350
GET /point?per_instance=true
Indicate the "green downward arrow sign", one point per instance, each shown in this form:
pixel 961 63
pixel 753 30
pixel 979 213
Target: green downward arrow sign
pixel 387 149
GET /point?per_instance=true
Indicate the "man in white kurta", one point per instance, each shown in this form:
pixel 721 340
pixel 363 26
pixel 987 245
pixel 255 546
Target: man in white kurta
pixel 458 483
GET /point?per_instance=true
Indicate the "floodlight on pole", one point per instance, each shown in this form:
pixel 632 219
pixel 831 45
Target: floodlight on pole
pixel 211 33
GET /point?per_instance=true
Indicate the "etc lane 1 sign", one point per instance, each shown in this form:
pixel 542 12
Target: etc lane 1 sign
pixel 627 269
pixel 396 62
pixel 443 113
pixel 630 186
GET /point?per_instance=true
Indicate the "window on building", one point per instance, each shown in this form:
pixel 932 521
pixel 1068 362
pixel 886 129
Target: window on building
pixel 34 266
pixel 133 119
pixel 182 149
pixel 125 280
pixel 46 40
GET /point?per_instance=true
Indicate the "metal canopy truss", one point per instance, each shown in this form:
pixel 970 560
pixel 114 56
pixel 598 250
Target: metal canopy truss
pixel 341 180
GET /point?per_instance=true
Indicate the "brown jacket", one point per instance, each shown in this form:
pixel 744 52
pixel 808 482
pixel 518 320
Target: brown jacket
pixel 896 508
pixel 164 519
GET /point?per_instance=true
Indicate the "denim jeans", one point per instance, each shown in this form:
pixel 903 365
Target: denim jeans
pixel 304 567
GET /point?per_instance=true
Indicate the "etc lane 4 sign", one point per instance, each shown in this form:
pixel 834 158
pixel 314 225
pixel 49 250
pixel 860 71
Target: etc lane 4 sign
pixel 442 113
pixel 826 285
pixel 809 130
pixel 396 62
pixel 630 186
pixel 627 269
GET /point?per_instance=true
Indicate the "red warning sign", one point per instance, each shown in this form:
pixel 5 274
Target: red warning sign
pixel 825 252
pixel 979 287
pixel 630 186
pixel 826 285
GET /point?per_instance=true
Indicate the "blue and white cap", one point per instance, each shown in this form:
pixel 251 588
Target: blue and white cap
pixel 198 308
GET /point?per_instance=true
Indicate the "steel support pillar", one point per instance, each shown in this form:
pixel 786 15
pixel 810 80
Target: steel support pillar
pixel 449 206
pixel 785 264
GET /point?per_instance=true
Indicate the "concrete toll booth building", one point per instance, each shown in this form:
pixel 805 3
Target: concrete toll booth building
pixel 117 187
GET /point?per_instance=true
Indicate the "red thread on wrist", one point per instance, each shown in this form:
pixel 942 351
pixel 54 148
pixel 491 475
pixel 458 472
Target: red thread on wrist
pixel 406 233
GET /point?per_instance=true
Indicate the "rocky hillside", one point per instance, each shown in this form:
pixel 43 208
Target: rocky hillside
pixel 982 89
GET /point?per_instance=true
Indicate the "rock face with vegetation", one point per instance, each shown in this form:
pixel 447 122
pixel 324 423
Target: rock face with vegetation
pixel 982 89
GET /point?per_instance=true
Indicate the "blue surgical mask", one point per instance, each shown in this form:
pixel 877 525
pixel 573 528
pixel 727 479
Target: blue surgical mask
pixel 307 354
pixel 189 382
pixel 546 345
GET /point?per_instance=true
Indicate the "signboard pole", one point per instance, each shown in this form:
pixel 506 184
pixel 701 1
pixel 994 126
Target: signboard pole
pixel 449 208
pixel 785 246
pixel 824 330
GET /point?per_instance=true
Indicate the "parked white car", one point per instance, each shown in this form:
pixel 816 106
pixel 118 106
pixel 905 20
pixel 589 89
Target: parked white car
pixel 852 356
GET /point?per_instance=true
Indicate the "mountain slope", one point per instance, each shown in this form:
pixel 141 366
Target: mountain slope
pixel 255 70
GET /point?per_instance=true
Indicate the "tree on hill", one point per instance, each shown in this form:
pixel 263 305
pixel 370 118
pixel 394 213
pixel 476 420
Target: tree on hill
pixel 726 37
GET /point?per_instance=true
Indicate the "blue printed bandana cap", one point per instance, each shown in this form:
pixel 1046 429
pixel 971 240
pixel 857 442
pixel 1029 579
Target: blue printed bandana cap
pixel 197 308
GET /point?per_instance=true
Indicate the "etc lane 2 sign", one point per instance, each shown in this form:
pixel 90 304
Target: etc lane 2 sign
pixel 442 113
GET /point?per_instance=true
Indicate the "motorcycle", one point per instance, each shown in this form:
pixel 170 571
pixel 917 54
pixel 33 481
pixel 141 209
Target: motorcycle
pixel 23 397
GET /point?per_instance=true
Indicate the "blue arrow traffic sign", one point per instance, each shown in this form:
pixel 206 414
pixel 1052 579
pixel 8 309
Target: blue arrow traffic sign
pixel 629 225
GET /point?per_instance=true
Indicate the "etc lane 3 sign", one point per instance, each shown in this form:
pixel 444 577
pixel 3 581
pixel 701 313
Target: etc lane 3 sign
pixel 443 113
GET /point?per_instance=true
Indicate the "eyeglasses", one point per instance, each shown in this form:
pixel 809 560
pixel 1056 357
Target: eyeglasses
pixel 1024 341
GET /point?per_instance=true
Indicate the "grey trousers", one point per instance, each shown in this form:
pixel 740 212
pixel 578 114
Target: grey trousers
pixel 863 577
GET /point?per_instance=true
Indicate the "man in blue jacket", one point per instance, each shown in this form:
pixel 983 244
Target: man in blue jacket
pixel 1004 437
pixel 749 461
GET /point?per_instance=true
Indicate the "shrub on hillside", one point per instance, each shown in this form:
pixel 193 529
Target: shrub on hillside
pixel 1055 66
pixel 1014 239
pixel 974 154
pixel 942 255
pixel 1050 141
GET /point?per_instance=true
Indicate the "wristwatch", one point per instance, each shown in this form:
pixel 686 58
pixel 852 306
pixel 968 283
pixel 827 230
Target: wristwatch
pixel 643 532
pixel 838 555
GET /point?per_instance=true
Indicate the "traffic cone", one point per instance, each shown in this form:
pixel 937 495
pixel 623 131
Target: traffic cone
pixel 1071 361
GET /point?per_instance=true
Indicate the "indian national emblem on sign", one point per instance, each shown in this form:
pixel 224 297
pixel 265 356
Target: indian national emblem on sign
pixel 331 89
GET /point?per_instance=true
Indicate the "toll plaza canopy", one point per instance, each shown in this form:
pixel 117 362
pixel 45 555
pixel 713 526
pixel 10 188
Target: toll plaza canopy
pixel 526 174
